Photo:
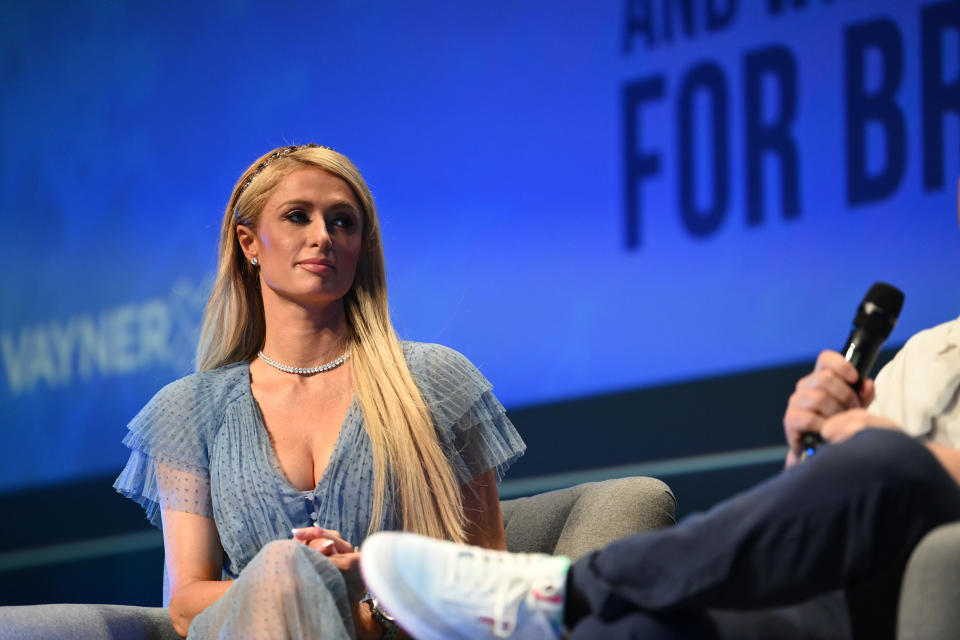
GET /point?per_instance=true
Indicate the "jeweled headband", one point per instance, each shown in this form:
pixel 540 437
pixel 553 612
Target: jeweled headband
pixel 279 153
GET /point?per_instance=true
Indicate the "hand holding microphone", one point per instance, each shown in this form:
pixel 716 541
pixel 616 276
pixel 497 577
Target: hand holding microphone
pixel 839 381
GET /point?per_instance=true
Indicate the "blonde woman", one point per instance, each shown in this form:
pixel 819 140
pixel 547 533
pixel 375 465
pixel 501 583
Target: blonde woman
pixel 308 424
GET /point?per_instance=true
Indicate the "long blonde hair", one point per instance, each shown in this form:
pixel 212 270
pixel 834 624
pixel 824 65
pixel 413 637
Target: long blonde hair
pixel 406 451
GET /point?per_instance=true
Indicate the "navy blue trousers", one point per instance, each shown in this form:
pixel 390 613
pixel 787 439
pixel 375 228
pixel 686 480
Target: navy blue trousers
pixel 816 552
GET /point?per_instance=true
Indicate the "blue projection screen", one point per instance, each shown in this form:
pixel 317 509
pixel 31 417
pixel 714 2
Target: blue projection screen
pixel 581 197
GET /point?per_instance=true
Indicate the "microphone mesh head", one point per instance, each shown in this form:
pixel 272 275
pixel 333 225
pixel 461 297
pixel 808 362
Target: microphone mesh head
pixel 878 313
pixel 887 297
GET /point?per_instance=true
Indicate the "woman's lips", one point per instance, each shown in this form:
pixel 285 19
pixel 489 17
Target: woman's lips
pixel 317 266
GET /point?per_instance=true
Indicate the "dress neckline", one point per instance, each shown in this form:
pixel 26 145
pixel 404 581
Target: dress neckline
pixel 271 454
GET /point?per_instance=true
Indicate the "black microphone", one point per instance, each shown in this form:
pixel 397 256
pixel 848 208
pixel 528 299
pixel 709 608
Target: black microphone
pixel 875 319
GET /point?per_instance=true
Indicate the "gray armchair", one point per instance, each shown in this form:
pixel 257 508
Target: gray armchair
pixel 930 596
pixel 568 521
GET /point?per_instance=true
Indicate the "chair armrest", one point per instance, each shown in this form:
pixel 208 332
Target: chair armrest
pixel 85 622
pixel 930 593
pixel 568 521
pixel 585 517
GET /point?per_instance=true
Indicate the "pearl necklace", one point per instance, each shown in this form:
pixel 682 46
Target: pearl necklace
pixel 304 371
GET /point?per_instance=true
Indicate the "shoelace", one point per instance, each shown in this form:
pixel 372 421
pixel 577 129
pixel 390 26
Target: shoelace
pixel 478 572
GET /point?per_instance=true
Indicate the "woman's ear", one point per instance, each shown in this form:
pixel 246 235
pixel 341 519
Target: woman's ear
pixel 248 241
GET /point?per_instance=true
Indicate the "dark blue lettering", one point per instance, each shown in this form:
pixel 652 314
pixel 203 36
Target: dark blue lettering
pixel 774 136
pixel 686 15
pixel 637 21
pixel 878 107
pixel 939 97
pixel 656 22
pixel 638 163
pixel 777 6
pixel 719 17
pixel 707 78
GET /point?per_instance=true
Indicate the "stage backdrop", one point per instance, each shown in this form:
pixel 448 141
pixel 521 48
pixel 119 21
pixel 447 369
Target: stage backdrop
pixel 581 197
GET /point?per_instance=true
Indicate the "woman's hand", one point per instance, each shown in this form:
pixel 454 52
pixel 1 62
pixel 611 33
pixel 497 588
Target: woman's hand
pixel 824 393
pixel 326 541
pixel 343 556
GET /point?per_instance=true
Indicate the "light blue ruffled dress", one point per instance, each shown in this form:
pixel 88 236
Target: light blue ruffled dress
pixel 200 446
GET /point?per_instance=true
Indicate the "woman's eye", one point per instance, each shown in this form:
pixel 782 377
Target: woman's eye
pixel 342 222
pixel 297 216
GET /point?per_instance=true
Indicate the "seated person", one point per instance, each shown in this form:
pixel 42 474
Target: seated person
pixel 307 414
pixel 816 552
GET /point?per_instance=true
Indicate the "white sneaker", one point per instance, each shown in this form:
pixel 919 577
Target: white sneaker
pixel 439 590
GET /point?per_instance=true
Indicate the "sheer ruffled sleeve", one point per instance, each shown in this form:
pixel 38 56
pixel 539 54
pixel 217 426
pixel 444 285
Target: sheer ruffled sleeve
pixel 471 423
pixel 168 465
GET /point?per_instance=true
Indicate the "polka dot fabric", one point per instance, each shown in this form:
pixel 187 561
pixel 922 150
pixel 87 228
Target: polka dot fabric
pixel 200 446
